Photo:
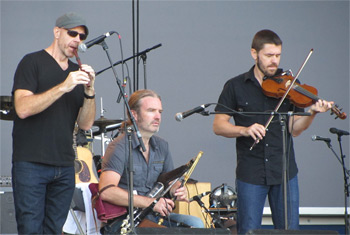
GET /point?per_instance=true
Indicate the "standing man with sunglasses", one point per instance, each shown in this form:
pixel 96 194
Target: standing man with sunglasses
pixel 51 94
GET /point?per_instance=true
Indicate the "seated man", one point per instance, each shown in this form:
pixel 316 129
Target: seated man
pixel 146 108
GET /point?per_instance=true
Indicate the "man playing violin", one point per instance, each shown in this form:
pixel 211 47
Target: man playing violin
pixel 259 169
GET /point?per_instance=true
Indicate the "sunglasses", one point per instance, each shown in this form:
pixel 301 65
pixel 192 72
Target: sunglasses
pixel 72 33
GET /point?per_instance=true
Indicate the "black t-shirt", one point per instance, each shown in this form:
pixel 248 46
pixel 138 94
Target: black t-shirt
pixel 46 137
pixel 263 164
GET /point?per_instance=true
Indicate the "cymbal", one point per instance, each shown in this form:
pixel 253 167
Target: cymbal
pixel 106 129
pixel 6 107
pixel 103 122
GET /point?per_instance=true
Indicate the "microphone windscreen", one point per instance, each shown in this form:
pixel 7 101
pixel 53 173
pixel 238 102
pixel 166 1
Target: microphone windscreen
pixel 333 130
pixel 178 117
pixel 82 47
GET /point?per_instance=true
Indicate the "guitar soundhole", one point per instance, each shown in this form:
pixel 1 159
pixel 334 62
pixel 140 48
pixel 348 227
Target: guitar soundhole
pixel 84 175
pixel 77 166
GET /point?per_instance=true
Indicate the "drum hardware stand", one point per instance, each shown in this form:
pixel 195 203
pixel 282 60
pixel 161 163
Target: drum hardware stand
pixel 103 125
pixel 346 174
pixel 103 132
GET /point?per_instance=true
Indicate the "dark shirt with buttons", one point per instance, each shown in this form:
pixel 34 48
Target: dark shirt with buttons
pixel 263 164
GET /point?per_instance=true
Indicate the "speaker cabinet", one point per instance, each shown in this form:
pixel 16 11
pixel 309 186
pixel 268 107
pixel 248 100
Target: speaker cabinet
pixel 181 231
pixel 8 223
pixel 281 231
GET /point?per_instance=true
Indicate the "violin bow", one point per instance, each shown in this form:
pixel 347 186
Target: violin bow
pixel 284 96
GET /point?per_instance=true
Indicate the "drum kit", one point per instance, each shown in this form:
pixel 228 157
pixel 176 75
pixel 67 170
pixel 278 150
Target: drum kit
pixel 100 127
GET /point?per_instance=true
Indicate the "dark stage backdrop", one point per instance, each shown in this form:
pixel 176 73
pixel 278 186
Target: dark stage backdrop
pixel 204 43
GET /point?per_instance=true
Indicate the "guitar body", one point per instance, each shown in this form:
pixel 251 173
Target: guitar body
pixel 84 171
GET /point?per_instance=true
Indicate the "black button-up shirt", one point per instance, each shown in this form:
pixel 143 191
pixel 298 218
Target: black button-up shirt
pixel 263 164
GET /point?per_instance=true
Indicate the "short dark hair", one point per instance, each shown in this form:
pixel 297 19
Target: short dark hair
pixel 263 37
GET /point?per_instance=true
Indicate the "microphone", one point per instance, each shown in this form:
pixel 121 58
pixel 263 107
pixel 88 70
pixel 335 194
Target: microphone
pixel 84 46
pixel 180 116
pixel 316 137
pixel 199 196
pixel 338 132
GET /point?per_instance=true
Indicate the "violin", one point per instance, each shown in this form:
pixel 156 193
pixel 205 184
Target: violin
pixel 284 86
pixel 301 95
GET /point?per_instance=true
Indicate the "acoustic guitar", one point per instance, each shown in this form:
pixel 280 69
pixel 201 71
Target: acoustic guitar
pixel 83 164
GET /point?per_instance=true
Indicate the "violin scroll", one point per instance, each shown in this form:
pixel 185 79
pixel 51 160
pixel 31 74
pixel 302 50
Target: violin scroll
pixel 335 110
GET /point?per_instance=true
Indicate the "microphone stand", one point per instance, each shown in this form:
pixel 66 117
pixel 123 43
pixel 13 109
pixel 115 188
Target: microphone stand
pixel 131 57
pixel 131 170
pixel 215 218
pixel 144 59
pixel 346 186
pixel 129 131
pixel 346 174
pixel 284 144
pixel 284 169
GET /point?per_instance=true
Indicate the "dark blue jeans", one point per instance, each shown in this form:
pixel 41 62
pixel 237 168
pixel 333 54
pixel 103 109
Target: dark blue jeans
pixel 251 200
pixel 42 196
